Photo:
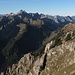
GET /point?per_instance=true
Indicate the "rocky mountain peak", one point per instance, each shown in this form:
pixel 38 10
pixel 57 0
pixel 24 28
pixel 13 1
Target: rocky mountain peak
pixel 68 18
pixel 22 11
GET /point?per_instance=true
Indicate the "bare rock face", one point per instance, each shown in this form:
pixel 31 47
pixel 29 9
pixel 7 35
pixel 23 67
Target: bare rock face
pixel 39 65
pixel 22 67
pixel 59 59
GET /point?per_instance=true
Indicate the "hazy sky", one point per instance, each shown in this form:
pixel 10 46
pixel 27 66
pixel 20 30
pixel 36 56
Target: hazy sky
pixel 51 7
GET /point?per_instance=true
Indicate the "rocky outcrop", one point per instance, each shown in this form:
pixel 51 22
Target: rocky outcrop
pixel 23 67
pixel 39 64
pixel 59 58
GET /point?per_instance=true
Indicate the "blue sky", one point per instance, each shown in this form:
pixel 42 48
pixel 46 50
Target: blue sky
pixel 51 7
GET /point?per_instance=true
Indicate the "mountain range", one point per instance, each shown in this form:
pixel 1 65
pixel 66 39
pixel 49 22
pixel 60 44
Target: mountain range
pixel 28 34
pixel 34 16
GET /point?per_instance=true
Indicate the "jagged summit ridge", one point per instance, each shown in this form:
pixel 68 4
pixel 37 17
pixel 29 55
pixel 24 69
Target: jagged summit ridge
pixel 41 16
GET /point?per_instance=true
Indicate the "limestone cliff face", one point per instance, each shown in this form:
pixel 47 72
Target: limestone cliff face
pixel 59 60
